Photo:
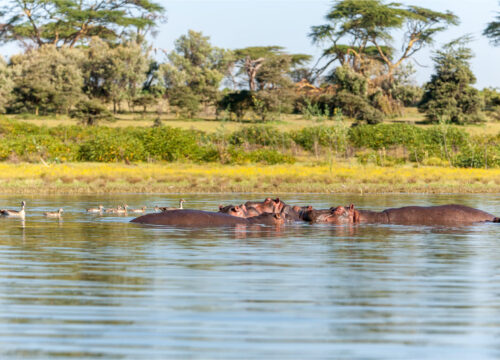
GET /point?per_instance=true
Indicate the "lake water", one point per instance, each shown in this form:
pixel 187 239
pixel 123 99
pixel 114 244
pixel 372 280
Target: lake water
pixel 98 287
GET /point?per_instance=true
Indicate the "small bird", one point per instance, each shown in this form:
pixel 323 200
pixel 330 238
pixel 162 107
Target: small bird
pixel 122 209
pixel 14 213
pixel 141 210
pixel 54 214
pixel 114 210
pixel 96 210
pixel 161 208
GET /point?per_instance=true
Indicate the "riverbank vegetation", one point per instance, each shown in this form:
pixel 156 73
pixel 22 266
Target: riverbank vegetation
pixel 382 144
pixel 335 177
pixel 88 88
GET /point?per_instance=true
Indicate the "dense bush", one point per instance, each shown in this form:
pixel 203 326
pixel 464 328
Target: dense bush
pixel 260 135
pixel 384 144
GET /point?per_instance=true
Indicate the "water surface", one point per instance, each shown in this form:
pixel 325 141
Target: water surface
pixel 98 287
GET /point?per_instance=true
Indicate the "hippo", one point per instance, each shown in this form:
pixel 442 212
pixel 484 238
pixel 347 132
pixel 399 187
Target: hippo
pixel 199 218
pixel 447 215
pixel 296 213
pixel 268 205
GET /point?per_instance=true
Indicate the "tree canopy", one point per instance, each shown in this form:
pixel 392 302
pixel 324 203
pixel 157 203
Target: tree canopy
pixel 362 30
pixel 65 23
pixel 493 30
pixel 449 96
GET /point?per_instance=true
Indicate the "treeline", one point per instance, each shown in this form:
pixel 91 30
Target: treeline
pixel 382 144
pixel 94 60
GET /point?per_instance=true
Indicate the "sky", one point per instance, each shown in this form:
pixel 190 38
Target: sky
pixel 235 24
pixel 240 23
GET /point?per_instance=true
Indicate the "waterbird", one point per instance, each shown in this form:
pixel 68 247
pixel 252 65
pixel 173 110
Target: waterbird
pixel 141 210
pixel 14 213
pixel 181 201
pixel 122 209
pixel 57 213
pixel 96 210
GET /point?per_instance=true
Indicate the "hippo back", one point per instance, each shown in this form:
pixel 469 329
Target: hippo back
pixel 437 215
pixel 189 218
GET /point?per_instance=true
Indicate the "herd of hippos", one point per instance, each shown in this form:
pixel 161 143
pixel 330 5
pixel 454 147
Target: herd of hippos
pixel 276 212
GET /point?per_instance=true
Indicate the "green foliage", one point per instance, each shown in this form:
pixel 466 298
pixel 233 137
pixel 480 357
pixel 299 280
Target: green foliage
pixel 237 103
pixel 115 74
pixel 348 80
pixel 357 107
pixel 493 31
pixel 268 103
pixel 109 147
pixel 195 68
pixel 449 96
pixel 491 98
pixel 383 144
pixel 6 85
pixel 269 67
pixel 90 112
pixel 170 144
pixel 67 23
pixel 47 80
pixel 260 135
pixel 369 25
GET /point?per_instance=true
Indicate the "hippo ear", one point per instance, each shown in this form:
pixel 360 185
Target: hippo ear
pixel 221 207
pixel 309 208
pixel 356 216
pixel 351 207
pixel 267 200
pixel 277 200
pixel 236 207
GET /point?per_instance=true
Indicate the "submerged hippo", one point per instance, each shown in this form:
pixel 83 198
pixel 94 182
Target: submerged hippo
pixel 195 218
pixel 409 215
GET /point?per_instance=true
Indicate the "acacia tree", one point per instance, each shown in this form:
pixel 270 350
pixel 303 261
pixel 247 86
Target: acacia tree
pixel 65 23
pixel 359 32
pixel 493 31
pixel 266 66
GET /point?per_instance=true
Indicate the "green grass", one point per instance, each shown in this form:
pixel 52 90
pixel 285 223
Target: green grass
pixel 209 124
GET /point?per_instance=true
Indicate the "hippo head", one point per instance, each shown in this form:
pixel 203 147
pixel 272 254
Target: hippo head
pixel 232 210
pixel 341 215
pixel 271 219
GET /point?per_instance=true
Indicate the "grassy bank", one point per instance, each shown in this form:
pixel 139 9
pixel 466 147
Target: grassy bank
pixel 98 178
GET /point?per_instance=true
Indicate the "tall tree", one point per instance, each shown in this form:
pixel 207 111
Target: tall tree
pixel 360 31
pixel 68 22
pixel 47 79
pixel 115 73
pixel 493 30
pixel 6 85
pixel 449 96
pixel 194 71
pixel 267 66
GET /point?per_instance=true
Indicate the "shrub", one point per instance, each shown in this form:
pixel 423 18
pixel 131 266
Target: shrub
pixel 260 135
pixel 105 148
pixel 237 103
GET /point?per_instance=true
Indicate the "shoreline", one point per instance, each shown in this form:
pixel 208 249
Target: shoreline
pixel 170 178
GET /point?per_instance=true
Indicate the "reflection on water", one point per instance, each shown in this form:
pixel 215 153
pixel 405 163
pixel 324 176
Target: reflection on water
pixel 90 286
